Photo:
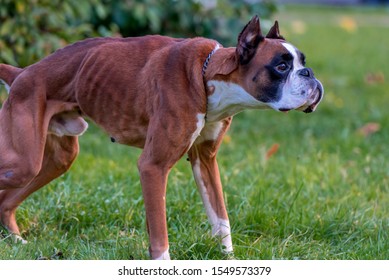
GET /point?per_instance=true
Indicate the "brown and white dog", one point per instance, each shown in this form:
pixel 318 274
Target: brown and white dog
pixel 168 96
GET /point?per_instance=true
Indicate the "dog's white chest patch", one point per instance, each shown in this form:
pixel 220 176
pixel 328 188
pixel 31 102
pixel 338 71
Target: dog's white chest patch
pixel 199 127
pixel 229 99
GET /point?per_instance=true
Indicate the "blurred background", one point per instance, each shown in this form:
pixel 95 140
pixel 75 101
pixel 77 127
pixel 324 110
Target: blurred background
pixel 297 186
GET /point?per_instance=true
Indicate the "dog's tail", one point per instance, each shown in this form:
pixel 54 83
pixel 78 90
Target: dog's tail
pixel 8 74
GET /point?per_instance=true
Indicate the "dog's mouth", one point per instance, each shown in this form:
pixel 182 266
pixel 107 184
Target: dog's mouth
pixel 314 99
pixel 318 96
pixel 307 103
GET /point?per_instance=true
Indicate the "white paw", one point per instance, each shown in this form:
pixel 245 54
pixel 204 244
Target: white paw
pixel 18 239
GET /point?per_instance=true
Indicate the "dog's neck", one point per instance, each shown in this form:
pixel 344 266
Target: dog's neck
pixel 225 96
pixel 206 62
pixel 220 62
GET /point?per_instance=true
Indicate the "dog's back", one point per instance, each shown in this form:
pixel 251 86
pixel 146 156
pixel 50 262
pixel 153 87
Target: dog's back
pixel 63 65
pixel 9 73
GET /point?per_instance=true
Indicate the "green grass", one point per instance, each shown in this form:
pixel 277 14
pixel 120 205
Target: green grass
pixel 323 195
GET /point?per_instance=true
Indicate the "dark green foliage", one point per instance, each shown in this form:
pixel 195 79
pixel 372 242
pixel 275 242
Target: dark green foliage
pixel 30 29
pixel 221 20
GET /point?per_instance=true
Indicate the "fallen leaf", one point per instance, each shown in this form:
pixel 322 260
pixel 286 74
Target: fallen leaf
pixel 299 27
pixel 375 78
pixel 227 139
pixel 369 128
pixel 273 149
pixel 348 23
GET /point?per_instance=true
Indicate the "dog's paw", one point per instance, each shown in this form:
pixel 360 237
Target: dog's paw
pixel 229 255
pixel 17 239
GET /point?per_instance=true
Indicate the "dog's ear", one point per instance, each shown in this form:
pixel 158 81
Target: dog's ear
pixel 274 32
pixel 248 40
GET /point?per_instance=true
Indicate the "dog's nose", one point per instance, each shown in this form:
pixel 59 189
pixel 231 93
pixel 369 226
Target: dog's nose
pixel 306 72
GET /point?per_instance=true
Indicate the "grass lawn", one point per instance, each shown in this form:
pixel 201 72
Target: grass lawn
pixel 324 194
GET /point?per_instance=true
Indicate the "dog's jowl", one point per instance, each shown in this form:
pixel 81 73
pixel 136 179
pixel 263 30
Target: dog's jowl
pixel 168 96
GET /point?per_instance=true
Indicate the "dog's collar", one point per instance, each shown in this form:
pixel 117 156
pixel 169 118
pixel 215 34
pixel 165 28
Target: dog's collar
pixel 206 62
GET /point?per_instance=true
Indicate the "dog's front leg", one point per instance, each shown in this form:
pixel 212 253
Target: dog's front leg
pixel 153 178
pixel 165 145
pixel 206 172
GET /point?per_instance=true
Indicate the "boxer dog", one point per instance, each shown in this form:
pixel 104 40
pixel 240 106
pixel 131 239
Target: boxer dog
pixel 168 96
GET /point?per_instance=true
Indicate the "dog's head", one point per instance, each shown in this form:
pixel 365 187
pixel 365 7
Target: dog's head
pixel 274 71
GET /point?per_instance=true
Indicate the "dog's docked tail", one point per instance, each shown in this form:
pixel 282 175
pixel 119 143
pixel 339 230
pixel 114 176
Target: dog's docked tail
pixel 8 74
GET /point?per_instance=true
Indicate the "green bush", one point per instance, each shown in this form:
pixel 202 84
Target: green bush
pixel 221 20
pixel 30 29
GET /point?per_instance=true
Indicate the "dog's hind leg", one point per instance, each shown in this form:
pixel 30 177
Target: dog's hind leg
pixel 59 154
pixel 23 131
pixel 202 156
pixel 26 119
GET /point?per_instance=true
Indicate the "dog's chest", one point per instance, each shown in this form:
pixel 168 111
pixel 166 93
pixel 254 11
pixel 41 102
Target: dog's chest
pixel 227 99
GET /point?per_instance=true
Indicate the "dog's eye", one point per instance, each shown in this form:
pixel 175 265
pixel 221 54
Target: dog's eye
pixel 282 67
